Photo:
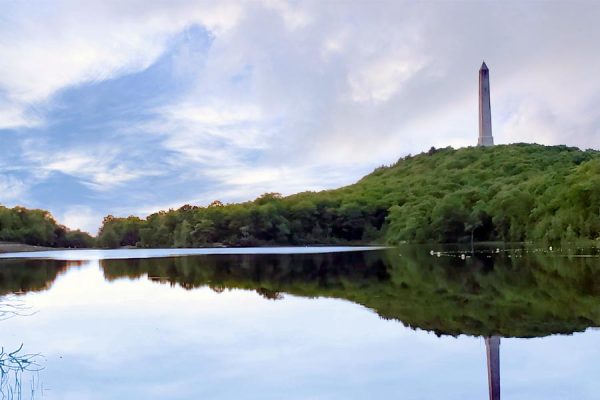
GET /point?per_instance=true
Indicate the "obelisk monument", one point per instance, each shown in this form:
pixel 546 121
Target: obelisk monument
pixel 485 110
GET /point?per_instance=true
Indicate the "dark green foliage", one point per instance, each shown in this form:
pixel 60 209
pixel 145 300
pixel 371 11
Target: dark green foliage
pixel 521 192
pixel 306 218
pixel 18 276
pixel 38 227
pixel 117 232
pixel 511 193
pixel 516 292
pixel 519 292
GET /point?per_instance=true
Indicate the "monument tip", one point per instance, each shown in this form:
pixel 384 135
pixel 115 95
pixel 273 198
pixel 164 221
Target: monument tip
pixel 485 109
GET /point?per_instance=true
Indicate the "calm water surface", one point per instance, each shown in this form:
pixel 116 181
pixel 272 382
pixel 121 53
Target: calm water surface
pixel 320 324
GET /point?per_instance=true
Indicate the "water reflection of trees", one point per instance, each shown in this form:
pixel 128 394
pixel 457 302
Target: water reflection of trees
pixel 507 294
pixel 18 276
pixel 519 294
pixel 515 293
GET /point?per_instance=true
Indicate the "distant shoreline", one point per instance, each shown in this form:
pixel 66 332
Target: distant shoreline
pixel 8 247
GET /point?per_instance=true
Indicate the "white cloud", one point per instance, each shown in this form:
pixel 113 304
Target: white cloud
pixel 249 182
pixel 99 167
pixel 15 116
pixel 209 115
pixel 12 189
pixel 379 80
pixel 212 136
pixel 293 15
pixel 81 217
pixel 47 47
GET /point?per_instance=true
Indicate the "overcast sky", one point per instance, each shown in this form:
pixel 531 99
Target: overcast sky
pixel 128 107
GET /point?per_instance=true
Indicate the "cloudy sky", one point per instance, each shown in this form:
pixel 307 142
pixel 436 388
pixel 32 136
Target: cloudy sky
pixel 127 107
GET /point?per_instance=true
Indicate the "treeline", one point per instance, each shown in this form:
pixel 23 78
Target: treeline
pixel 269 220
pixel 38 228
pixel 520 192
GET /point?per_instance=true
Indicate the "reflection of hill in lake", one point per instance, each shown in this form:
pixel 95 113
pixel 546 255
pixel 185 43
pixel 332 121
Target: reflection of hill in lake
pixel 508 294
pixel 532 295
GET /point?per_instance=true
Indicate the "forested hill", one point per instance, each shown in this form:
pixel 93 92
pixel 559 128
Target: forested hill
pixel 511 193
pixel 520 192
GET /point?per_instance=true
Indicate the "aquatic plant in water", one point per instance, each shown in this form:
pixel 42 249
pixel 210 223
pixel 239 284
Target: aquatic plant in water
pixel 14 364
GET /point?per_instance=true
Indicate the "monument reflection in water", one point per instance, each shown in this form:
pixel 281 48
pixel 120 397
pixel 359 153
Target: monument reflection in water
pixel 487 295
pixel 492 349
pixel 522 293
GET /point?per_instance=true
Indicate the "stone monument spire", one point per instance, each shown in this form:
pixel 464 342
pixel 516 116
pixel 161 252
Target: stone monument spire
pixel 485 110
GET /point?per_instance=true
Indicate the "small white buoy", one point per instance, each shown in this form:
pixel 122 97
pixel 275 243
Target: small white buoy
pixel 439 254
pixel 550 248
pixel 462 256
pixel 497 250
pixel 431 252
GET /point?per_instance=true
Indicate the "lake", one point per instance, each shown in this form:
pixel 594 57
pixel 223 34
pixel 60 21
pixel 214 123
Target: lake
pixel 413 322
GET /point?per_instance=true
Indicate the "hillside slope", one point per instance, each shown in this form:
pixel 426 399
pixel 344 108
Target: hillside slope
pixel 510 192
pixel 519 192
